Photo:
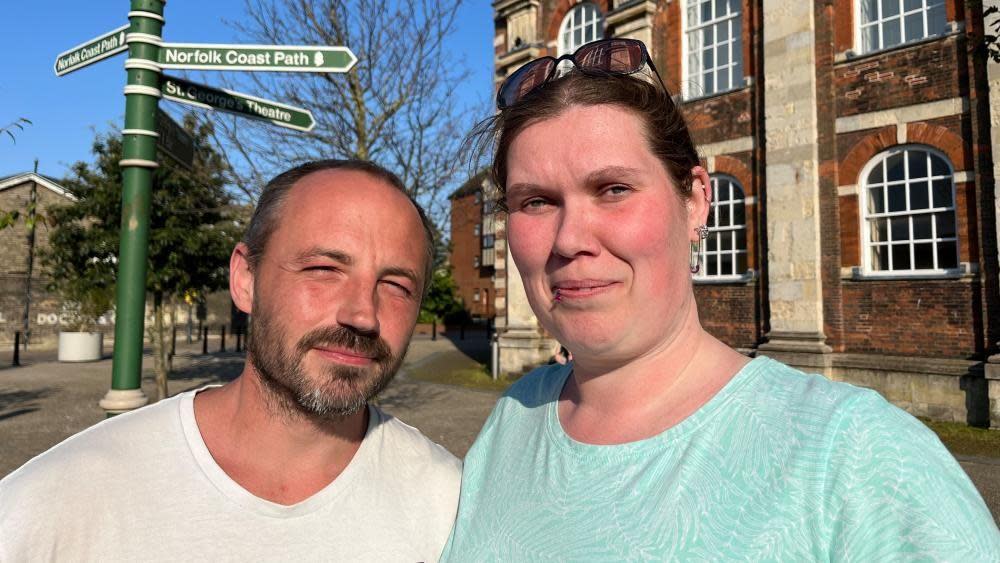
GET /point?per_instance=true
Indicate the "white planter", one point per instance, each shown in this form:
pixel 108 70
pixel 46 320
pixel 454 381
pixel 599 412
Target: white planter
pixel 80 346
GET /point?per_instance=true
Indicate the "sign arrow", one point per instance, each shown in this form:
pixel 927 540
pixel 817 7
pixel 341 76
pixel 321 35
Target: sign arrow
pixel 273 58
pixel 97 49
pixel 245 105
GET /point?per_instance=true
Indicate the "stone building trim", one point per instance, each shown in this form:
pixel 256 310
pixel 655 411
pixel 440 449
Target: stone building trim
pixel 901 115
pixel 730 146
pixel 21 179
pixel 934 136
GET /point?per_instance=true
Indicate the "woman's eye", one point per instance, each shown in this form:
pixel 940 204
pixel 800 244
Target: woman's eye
pixel 617 190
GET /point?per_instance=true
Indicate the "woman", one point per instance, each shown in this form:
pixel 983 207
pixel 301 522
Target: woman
pixel 658 441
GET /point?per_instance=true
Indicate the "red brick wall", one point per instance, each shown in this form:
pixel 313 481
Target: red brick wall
pixel 920 73
pixel 719 118
pixel 910 317
pixel 728 312
pixel 465 246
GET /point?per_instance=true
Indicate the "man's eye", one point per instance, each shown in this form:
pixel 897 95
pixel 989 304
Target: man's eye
pixel 396 286
pixel 319 269
pixel 534 204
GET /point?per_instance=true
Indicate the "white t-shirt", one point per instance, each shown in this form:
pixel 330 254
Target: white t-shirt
pixel 144 487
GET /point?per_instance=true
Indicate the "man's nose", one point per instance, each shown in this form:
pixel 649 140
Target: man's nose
pixel 358 308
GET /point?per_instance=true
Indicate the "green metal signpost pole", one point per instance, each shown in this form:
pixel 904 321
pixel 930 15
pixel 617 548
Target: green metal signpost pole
pixel 139 159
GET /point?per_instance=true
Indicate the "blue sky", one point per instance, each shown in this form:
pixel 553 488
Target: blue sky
pixel 66 111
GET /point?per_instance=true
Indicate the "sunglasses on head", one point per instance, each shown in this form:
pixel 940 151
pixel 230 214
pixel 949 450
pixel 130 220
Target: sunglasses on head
pixel 605 56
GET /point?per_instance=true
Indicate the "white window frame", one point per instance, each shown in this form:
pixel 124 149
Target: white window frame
pixel 477 230
pixel 863 194
pixel 714 230
pixel 564 43
pixel 476 261
pixel 878 22
pixel 693 87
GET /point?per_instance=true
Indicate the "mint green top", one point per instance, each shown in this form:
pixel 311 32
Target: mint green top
pixel 778 466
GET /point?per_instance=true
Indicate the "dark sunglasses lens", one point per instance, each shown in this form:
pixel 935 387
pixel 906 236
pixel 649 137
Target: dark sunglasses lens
pixel 523 81
pixel 616 55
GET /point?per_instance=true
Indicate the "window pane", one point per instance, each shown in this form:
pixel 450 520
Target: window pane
pixel 722 31
pixel 875 202
pixel 709 84
pixel 726 265
pixel 900 227
pixel 923 256
pixel 894 165
pixel 935 20
pixel 741 263
pixel 875 176
pixel 709 57
pixel 897 198
pixel 947 255
pixel 922 226
pixel 739 214
pixel 708 34
pixel 881 230
pixel 869 39
pixel 909 5
pixel 706 11
pixel 869 11
pixel 942 193
pixel 726 240
pixel 918 164
pixel 900 257
pixel 919 198
pixel 712 242
pixel 945 224
pixel 722 54
pixel 891 33
pixel 939 167
pixel 890 8
pixel 720 8
pixel 741 240
pixel 577 38
pixel 914 24
pixel 724 215
pixel 880 258
pixel 734 6
pixel 723 83
pixel 723 186
pixel 712 263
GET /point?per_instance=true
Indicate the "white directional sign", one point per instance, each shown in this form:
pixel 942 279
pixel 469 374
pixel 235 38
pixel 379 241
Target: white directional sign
pixel 274 58
pixel 246 105
pixel 89 52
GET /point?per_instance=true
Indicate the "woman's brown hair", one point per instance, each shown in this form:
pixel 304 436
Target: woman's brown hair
pixel 666 131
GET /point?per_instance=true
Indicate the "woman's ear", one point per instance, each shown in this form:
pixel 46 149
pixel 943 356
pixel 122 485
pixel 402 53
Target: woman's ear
pixel 699 203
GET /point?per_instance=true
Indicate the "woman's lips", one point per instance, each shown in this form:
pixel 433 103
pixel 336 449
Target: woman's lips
pixel 581 289
pixel 344 356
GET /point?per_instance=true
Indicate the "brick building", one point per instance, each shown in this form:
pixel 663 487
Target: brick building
pixel 854 219
pixel 472 257
pixel 16 192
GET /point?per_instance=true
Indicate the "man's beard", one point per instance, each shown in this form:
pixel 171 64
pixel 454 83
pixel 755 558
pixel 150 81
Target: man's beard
pixel 333 392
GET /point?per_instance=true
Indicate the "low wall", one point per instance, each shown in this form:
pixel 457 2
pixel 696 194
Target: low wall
pixel 938 389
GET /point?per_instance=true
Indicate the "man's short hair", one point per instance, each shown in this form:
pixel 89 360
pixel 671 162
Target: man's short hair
pixel 268 212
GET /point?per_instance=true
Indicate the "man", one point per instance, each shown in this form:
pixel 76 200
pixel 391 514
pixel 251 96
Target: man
pixel 288 461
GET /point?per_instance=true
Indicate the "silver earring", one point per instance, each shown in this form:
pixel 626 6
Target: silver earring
pixel 695 264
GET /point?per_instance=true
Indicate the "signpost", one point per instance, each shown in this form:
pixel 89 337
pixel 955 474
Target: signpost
pixel 283 115
pixel 174 141
pixel 274 58
pixel 147 129
pixel 97 49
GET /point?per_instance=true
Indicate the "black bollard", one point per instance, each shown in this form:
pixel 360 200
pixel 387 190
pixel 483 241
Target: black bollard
pixel 173 342
pixel 434 329
pixel 17 349
pixel 204 340
pixel 222 340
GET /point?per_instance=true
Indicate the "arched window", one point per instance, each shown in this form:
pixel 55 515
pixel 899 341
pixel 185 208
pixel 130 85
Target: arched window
pixel 724 252
pixel 583 24
pixel 713 38
pixel 887 23
pixel 908 212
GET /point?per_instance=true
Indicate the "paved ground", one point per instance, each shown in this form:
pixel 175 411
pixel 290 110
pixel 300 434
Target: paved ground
pixel 44 401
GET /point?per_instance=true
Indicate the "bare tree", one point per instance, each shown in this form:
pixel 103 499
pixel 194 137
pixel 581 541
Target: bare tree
pixel 396 107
